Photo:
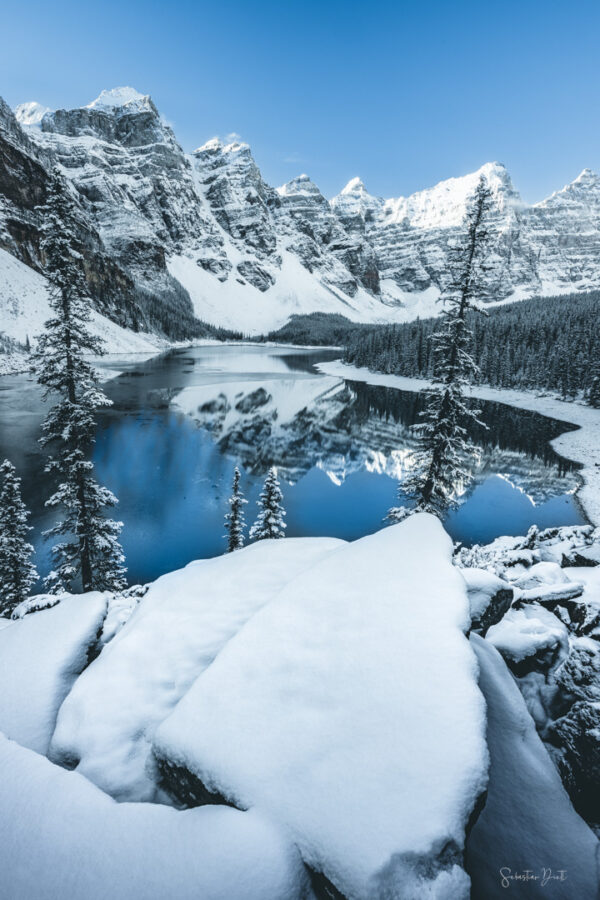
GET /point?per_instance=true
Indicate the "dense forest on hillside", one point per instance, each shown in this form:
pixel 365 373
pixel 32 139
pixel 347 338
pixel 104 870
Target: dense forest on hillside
pixel 317 329
pixel 549 343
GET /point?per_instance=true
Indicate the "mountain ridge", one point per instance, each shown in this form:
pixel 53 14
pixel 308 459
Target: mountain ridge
pixel 202 235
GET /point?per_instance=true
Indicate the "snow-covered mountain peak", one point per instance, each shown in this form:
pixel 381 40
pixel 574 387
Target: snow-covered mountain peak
pixel 30 114
pixel 117 98
pixel 583 193
pixel 214 145
pixel 237 147
pixel 444 204
pixel 301 184
pixel 587 177
pixel 354 186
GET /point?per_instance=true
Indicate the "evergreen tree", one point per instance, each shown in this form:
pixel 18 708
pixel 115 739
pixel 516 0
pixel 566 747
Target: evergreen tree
pixel 269 523
pixel 594 394
pixel 17 572
pixel 234 520
pixel 517 345
pixel 91 550
pixel 444 447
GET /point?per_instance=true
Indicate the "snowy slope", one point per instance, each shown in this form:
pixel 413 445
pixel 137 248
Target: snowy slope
pixel 245 308
pixel 326 711
pixel 24 308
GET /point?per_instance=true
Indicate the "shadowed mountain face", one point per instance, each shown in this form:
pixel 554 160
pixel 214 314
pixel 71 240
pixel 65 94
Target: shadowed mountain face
pixel 167 237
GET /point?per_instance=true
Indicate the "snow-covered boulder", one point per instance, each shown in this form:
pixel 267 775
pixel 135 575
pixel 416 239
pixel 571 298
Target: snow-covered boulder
pixel 584 557
pixel 530 638
pixel 35 604
pixel 64 838
pixel 106 724
pixel 528 822
pixel 542 573
pixel 348 711
pixel 489 598
pixel 41 655
pixel 512 557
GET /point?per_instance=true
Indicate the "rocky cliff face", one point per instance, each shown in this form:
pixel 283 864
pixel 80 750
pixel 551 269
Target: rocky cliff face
pixel 169 236
pixel 548 248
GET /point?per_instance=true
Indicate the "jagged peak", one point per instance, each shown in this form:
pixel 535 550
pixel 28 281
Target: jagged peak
pixel 120 97
pixel 213 145
pixel 574 191
pixel 30 114
pixel 354 186
pixel 444 204
pixel 301 184
pixel 587 177
pixel 216 145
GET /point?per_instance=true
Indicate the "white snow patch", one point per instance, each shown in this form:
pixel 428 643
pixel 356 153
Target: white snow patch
pixel 24 308
pixel 242 307
pixel 348 710
pixel 481 587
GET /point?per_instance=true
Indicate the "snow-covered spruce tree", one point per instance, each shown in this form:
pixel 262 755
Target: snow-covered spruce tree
pixel 594 392
pixel 234 520
pixel 91 550
pixel 17 572
pixel 442 459
pixel 269 522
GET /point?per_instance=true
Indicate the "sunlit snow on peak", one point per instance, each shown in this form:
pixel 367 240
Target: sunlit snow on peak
pixel 355 185
pixel 120 96
pixel 31 114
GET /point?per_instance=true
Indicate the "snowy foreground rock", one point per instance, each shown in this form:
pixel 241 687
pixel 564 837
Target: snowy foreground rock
pixel 328 691
pixel 549 639
pixel 348 711
pixel 106 726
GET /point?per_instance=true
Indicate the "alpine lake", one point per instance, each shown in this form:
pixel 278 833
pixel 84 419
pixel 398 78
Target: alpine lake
pixel 181 421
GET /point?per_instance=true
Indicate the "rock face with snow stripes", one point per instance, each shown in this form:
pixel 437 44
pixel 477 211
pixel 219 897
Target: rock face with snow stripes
pixel 546 248
pixel 169 237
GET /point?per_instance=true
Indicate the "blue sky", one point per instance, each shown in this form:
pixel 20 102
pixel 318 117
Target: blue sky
pixel 403 94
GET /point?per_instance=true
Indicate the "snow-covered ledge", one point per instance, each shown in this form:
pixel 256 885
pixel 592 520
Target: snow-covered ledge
pixel 581 446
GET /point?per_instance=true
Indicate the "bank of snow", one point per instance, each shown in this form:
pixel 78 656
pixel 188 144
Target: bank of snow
pixel 581 446
pixel 64 838
pixel 348 711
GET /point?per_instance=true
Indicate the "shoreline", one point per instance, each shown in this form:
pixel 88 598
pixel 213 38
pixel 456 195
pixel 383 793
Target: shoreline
pixel 581 445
